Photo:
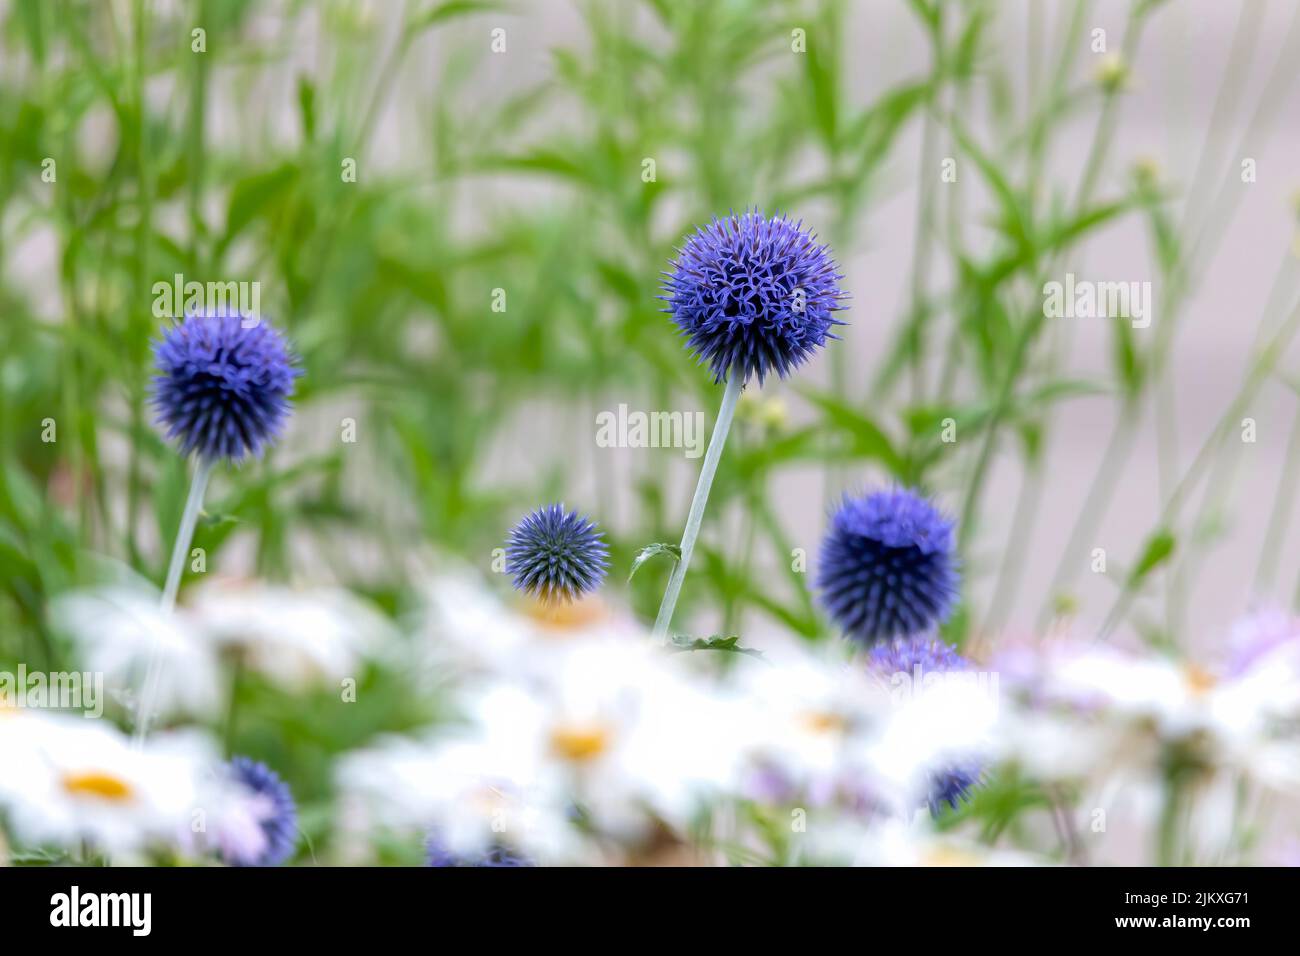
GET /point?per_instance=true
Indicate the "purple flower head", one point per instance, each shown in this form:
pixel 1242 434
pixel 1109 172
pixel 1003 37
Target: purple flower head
pixel 556 555
pixel 223 385
pixel 903 655
pixel 1259 635
pixel 753 295
pixel 952 785
pixel 273 813
pixel 437 854
pixel 887 567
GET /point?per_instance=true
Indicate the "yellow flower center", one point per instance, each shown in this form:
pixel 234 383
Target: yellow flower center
pixel 96 783
pixel 948 856
pixel 823 722
pixel 1198 679
pixel 579 743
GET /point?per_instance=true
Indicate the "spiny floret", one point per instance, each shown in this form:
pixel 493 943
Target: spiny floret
pixel 556 555
pixel 753 295
pixel 886 566
pixel 903 655
pixel 951 786
pixel 223 385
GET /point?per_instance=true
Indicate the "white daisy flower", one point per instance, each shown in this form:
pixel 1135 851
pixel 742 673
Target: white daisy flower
pixel 296 638
pixel 73 780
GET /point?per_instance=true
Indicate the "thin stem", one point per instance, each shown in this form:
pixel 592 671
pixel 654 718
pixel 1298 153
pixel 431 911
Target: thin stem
pixel 184 535
pixel 1100 490
pixel 1098 152
pixel 1258 374
pixel 1280 516
pixel 711 457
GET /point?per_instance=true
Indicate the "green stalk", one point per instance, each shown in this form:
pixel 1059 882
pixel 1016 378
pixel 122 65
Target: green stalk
pixel 693 520
pixel 181 548
pixel 1259 373
pixel 1280 516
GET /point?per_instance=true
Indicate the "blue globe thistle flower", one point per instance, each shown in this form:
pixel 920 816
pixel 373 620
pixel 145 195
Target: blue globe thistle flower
pixel 951 784
pixel 277 816
pixel 887 567
pixel 753 295
pixel 556 555
pixel 439 855
pixel 222 388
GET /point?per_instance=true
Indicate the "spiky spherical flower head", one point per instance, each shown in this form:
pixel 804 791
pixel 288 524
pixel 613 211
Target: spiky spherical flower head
pixel 887 567
pixel 556 555
pixel 753 295
pixel 274 811
pixel 223 384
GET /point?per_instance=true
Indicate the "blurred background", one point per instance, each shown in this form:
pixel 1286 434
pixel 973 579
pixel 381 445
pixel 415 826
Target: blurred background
pixel 485 286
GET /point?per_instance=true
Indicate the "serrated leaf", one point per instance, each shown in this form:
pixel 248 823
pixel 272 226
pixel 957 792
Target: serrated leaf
pixel 650 550
pixel 217 519
pixel 684 642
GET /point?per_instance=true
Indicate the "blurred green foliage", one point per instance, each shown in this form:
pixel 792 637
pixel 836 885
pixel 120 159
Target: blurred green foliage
pixel 385 283
pixel 225 164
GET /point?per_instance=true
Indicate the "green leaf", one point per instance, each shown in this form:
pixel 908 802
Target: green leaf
pixel 649 551
pixel 684 642
pixel 1128 364
pixel 442 12
pixel 1014 218
pixel 251 196
pixel 217 519
pixel 822 70
pixel 868 439
pixel 307 106
pixel 1157 551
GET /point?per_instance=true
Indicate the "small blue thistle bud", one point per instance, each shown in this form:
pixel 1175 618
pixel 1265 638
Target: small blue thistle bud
pixel 556 555
pixel 952 786
pixel 223 385
pixel 887 568
pixel 753 295
pixel 949 785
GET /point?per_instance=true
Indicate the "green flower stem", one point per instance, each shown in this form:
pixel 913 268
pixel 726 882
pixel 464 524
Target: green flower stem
pixel 711 457
pixel 184 535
